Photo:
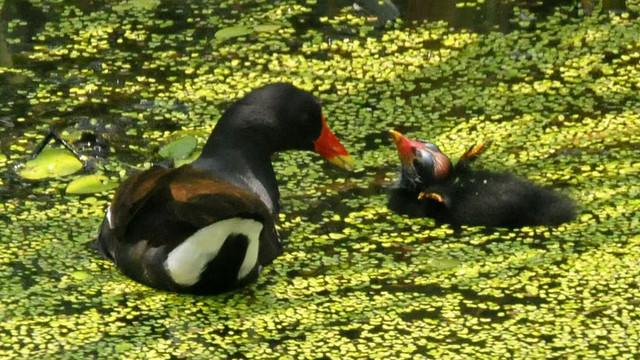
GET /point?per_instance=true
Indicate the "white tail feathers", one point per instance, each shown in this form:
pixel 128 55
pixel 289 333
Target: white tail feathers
pixel 188 260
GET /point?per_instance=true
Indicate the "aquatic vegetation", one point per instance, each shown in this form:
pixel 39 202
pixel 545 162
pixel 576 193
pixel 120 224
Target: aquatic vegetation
pixel 179 149
pixel 89 184
pixel 50 163
pixel 555 89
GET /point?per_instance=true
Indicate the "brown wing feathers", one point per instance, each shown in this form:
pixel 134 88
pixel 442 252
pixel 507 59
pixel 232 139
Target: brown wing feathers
pixel 179 201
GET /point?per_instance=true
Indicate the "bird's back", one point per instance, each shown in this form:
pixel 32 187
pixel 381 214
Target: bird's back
pixel 160 210
pixel 503 200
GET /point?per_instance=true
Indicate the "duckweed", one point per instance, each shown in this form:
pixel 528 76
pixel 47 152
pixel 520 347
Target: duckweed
pixel 555 89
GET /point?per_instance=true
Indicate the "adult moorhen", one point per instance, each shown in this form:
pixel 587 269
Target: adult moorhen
pixel 430 186
pixel 208 227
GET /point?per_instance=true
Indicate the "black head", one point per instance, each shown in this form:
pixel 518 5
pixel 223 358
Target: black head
pixel 279 117
pixel 423 164
pixel 295 116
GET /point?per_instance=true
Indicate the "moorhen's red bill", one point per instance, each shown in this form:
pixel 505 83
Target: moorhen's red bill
pixel 430 186
pixel 208 227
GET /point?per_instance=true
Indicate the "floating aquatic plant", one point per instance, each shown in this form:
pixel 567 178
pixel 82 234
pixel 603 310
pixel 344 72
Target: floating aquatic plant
pixel 50 163
pixel 556 90
pixel 90 184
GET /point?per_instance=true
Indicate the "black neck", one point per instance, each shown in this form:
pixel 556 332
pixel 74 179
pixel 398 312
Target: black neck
pixel 410 181
pixel 273 118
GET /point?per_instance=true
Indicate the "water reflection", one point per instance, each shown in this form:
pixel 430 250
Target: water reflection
pixel 489 15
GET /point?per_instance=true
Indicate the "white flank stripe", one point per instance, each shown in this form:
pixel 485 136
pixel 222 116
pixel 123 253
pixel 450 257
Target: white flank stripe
pixel 251 256
pixel 188 260
pixel 109 217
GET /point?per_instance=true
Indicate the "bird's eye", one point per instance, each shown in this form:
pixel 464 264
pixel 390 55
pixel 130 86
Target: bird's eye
pixel 423 159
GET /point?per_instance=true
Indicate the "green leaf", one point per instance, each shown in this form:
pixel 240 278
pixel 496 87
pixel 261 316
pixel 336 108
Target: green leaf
pixel 179 149
pixel 266 28
pixel 80 275
pixel 190 159
pixel 136 4
pixel 90 184
pixel 145 4
pixel 444 263
pixel 232 31
pixel 51 162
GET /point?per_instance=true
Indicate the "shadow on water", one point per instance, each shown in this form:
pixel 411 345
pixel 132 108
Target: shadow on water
pixel 490 15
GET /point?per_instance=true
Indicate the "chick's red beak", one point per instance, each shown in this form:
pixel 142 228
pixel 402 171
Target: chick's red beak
pixel 330 148
pixel 405 147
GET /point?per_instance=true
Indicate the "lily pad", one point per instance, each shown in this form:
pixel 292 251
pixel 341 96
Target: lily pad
pixel 51 162
pixel 266 28
pixel 445 263
pixel 90 184
pixel 233 31
pixel 179 149
pixel 145 4
pixel 190 159
pixel 80 275
pixel 137 4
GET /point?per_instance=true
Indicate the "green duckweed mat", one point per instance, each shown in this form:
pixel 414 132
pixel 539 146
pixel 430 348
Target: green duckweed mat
pixel 556 89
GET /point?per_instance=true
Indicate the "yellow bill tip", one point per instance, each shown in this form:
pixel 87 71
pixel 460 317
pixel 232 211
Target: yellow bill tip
pixel 397 136
pixel 343 161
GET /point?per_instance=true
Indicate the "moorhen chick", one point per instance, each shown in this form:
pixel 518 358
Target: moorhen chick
pixel 208 227
pixel 430 186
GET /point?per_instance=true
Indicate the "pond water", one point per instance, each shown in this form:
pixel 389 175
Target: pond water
pixel 553 84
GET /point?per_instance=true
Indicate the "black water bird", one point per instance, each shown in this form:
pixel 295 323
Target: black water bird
pixel 208 227
pixel 431 186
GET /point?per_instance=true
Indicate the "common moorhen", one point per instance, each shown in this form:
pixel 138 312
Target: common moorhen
pixel 208 227
pixel 430 186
